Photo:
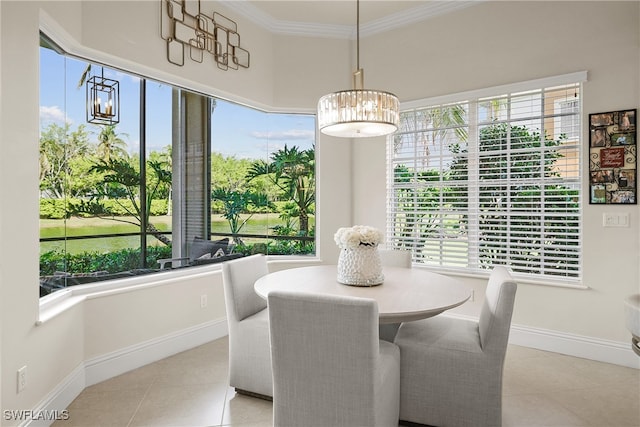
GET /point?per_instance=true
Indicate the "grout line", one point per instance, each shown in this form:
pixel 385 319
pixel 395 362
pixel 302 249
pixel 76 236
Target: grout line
pixel 224 405
pixel 146 393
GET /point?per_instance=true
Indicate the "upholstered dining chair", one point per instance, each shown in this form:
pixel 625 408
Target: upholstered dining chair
pixel 329 367
pixel 395 258
pixel 248 322
pixel 451 369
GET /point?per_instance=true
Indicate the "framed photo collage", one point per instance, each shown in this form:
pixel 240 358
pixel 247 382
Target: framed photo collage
pixel 613 157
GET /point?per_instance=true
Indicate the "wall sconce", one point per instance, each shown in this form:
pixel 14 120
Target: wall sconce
pixel 103 100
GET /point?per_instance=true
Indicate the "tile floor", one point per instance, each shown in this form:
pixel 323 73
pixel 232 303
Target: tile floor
pixel 191 389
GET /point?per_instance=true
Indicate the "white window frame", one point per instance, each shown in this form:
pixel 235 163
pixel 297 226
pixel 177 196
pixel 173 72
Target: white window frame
pixel 472 267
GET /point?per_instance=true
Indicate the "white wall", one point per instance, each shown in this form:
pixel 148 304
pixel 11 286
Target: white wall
pixel 498 43
pixel 56 350
pixel 487 45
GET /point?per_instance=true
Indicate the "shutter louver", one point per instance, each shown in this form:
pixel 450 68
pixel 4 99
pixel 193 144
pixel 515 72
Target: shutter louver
pixel 491 180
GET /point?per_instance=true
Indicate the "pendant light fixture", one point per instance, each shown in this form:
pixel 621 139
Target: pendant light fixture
pixel 103 100
pixel 359 112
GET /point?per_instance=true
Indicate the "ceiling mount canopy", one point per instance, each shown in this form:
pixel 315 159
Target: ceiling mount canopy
pixel 359 112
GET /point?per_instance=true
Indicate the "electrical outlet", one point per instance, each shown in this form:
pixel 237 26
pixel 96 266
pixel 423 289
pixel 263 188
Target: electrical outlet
pixel 22 378
pixel 203 301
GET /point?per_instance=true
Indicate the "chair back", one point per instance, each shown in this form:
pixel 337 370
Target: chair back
pixel 324 352
pixel 495 317
pixel 238 277
pixel 395 258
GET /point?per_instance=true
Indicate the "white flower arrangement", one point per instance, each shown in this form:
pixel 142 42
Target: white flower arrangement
pixel 358 235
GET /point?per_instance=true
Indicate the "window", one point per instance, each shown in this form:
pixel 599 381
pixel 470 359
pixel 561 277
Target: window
pixel 178 168
pixel 491 178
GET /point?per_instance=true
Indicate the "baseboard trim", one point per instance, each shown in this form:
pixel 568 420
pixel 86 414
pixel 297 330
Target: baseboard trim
pixel 118 362
pixel 614 352
pixel 107 366
pixel 58 399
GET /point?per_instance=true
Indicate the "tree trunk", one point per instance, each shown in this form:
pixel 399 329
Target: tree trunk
pixel 151 229
pixel 304 223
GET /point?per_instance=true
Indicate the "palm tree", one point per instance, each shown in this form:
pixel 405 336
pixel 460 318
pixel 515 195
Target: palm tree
pixel 110 144
pixel 235 203
pixel 292 171
pixel 122 182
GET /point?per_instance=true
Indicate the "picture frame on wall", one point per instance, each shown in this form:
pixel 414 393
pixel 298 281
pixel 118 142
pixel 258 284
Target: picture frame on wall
pixel 613 157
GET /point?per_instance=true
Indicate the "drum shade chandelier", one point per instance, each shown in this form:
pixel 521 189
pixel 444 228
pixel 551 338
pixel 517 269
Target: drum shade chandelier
pixel 359 112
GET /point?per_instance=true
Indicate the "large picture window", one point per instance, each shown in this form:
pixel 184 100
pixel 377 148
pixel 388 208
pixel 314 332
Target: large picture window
pixel 491 178
pixel 182 180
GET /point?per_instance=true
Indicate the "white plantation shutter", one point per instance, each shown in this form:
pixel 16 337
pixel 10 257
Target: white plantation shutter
pixel 491 179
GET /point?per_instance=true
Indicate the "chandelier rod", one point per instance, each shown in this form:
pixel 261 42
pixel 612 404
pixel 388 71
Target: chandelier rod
pixel 357 35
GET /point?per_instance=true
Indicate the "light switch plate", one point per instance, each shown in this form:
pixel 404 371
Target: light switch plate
pixel 610 219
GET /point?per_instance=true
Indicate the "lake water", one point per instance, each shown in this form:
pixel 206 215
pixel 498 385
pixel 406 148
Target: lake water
pixel 258 224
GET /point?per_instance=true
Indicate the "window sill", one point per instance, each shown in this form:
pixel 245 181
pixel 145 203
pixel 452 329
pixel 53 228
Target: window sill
pixel 525 280
pixel 60 301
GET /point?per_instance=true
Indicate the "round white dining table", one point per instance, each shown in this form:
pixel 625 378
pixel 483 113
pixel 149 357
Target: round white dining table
pixel 406 294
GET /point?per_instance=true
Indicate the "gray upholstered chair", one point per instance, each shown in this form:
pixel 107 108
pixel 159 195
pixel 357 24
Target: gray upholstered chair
pixel 248 321
pixel 451 369
pixel 395 258
pixel 329 367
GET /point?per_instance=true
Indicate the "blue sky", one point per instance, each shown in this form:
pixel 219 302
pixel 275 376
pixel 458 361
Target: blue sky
pixel 237 130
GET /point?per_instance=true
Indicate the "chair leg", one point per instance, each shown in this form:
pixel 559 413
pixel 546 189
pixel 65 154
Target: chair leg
pixel 252 394
pixel 412 424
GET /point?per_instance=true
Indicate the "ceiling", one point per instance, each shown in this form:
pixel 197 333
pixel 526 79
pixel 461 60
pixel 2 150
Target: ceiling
pixel 337 18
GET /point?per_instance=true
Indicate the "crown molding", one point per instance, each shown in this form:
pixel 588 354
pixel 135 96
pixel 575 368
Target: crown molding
pixel 419 13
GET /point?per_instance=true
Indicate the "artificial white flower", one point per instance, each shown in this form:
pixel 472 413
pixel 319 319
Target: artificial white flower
pixel 357 235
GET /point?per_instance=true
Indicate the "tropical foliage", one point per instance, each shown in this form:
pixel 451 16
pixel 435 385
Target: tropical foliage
pixel 292 171
pixel 422 195
pixel 85 178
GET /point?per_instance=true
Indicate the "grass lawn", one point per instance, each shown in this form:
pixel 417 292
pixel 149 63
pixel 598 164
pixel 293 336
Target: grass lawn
pixel 257 224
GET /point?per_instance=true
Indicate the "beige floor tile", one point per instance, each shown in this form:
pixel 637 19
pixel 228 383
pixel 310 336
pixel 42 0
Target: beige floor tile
pixel 191 389
pixel 94 407
pixel 603 406
pixel 536 410
pixel 543 374
pixel 142 377
pixel 188 405
pixel 191 374
pixel 240 410
pixel 517 352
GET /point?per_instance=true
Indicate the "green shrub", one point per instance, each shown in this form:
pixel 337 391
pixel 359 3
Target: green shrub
pixel 52 208
pixel 55 208
pixel 113 262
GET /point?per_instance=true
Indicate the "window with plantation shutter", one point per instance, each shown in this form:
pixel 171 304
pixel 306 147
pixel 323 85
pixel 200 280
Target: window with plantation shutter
pixel 491 177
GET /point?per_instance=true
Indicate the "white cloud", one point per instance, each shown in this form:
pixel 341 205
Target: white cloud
pixel 53 114
pixel 287 135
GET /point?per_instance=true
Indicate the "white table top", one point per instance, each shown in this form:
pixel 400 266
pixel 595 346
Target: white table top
pixel 407 293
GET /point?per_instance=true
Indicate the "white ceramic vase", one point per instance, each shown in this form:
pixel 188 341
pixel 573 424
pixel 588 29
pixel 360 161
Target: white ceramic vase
pixel 360 266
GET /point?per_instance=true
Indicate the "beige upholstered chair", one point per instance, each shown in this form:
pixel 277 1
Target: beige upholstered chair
pixel 248 320
pixel 329 367
pixel 451 369
pixel 395 258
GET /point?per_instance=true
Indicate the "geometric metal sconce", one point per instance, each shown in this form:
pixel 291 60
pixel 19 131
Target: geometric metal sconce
pixel 103 100
pixel 188 29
